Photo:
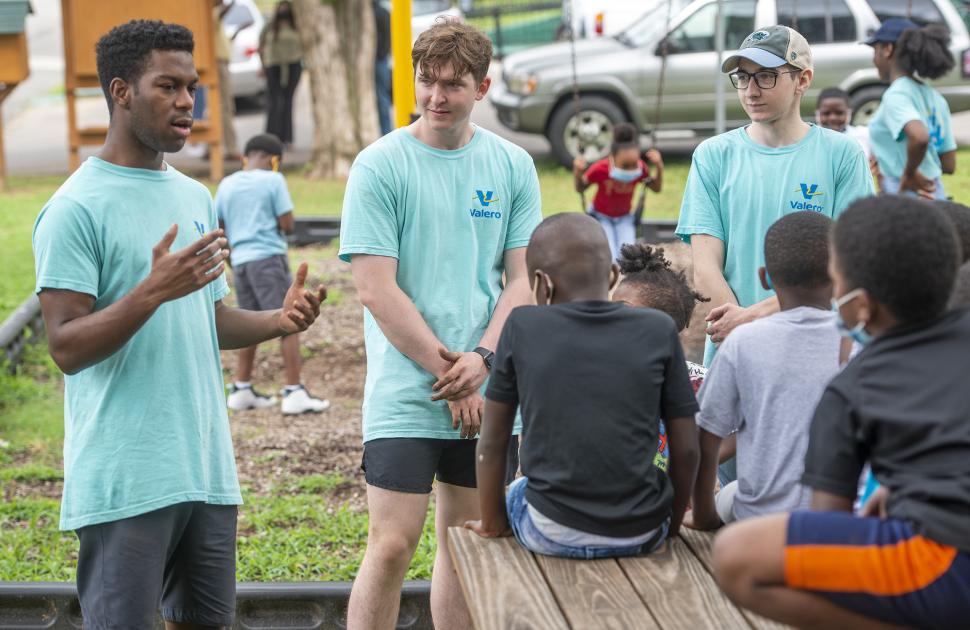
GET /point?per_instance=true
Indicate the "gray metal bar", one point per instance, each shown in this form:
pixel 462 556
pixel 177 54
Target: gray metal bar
pixel 13 331
pixel 262 606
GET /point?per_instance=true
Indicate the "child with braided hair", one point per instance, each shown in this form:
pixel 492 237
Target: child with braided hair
pixel 650 282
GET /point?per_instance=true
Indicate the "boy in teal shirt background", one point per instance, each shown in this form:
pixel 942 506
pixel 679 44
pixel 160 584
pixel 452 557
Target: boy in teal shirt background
pixel 255 208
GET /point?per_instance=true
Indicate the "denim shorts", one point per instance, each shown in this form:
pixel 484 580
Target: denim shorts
pixel 532 539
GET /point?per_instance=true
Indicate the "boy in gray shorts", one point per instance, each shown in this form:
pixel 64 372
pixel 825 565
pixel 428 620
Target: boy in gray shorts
pixel 255 209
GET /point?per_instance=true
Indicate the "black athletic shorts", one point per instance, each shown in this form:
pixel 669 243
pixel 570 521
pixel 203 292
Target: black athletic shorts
pixel 182 557
pixel 411 464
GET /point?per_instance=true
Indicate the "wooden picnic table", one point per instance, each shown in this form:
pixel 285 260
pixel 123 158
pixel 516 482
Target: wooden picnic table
pixel 508 587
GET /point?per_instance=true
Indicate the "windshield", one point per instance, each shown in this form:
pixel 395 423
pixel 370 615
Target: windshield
pixel 649 27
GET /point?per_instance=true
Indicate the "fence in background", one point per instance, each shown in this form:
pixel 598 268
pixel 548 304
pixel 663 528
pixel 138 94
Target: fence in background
pixel 515 25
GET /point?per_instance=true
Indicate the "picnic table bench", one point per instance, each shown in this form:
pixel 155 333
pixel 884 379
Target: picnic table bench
pixel 507 586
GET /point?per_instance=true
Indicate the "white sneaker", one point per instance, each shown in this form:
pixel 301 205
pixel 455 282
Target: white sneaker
pixel 242 398
pixel 300 401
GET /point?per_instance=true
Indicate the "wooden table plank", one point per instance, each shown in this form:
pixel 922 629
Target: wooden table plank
pixel 679 591
pixel 595 594
pixel 502 583
pixel 702 544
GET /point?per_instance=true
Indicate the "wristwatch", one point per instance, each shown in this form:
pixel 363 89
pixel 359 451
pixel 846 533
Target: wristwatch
pixel 487 356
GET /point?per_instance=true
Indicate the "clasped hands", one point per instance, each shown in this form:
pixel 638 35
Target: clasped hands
pixel 459 386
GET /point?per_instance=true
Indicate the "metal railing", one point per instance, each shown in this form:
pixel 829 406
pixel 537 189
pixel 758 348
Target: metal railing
pixel 514 26
pixel 274 606
pixel 22 327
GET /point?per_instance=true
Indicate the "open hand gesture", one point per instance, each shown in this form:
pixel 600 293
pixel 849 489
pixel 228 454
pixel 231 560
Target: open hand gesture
pixel 177 274
pixel 300 306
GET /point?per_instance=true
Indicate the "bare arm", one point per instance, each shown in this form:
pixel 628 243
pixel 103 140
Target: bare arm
pixel 78 337
pixel 682 437
pixel 948 162
pixel 657 181
pixel 827 502
pixel 286 223
pixel 395 313
pixel 708 257
pixel 704 513
pixel 490 456
pixel 917 142
pixel 579 180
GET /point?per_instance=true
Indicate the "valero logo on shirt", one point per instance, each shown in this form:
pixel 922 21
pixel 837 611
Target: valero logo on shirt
pixel 485 198
pixel 200 228
pixel 809 193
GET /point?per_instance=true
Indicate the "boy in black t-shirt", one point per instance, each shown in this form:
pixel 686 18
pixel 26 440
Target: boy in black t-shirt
pixel 902 405
pixel 593 378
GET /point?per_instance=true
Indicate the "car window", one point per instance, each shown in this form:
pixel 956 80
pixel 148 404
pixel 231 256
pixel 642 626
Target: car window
pixel 696 33
pixel 238 15
pixel 920 11
pixel 819 21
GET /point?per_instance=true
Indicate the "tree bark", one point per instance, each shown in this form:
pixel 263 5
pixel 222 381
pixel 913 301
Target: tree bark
pixel 339 40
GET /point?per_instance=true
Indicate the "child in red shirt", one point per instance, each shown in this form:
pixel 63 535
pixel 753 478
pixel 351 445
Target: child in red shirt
pixel 617 177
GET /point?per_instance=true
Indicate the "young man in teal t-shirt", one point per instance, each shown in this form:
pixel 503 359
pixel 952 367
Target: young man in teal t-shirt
pixel 129 276
pixel 433 216
pixel 742 181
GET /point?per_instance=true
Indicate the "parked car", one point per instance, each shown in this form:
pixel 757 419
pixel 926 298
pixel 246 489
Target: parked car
pixel 590 19
pixel 425 12
pixel 244 63
pixel 617 77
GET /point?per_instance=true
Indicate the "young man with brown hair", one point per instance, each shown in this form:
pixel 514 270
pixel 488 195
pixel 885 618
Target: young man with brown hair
pixel 434 215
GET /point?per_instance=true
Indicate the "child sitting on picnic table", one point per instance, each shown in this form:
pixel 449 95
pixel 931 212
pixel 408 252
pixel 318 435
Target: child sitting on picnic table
pixel 649 282
pixel 766 379
pixel 616 178
pixel 593 378
pixel 901 404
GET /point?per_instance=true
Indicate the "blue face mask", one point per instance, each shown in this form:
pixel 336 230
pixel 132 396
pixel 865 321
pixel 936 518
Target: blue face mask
pixel 625 175
pixel 858 332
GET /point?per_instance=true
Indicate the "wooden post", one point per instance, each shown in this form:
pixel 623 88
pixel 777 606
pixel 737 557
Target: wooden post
pixel 13 70
pixel 4 92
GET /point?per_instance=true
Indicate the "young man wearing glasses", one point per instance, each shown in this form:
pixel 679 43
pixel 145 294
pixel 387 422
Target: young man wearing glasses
pixel 744 180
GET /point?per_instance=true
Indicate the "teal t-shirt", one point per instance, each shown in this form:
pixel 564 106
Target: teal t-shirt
pixel 448 217
pixel 904 101
pixel 249 204
pixel 146 427
pixel 737 188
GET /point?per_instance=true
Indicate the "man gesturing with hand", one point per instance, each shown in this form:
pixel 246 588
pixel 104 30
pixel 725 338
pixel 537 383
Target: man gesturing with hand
pixel 130 279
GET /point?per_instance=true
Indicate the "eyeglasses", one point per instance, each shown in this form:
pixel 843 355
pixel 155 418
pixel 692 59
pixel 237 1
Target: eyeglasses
pixel 765 79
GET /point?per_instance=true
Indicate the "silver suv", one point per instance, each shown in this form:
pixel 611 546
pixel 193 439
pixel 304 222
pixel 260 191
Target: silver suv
pixel 617 77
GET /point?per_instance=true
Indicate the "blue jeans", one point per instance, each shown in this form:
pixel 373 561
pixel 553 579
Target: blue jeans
pixel 619 230
pixel 890 186
pixel 382 83
pixel 532 539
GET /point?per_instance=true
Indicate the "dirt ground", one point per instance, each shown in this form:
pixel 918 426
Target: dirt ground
pixel 269 445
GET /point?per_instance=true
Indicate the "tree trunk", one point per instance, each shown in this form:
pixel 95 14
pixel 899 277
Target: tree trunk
pixel 339 40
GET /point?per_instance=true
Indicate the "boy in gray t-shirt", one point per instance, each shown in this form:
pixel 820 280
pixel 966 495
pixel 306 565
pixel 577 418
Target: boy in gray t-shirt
pixel 766 380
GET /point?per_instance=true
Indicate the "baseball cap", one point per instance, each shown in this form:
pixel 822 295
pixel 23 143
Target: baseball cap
pixel 770 47
pixel 890 30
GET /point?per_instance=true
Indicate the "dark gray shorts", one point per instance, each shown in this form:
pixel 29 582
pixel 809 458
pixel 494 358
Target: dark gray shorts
pixel 261 285
pixel 410 464
pixel 182 557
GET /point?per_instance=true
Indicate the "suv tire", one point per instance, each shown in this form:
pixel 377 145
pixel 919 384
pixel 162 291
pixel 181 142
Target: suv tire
pixel 598 115
pixel 864 102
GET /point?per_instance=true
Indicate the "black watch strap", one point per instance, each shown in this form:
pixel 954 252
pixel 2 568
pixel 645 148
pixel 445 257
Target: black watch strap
pixel 486 354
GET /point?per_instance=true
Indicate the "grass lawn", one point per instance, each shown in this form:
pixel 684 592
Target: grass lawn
pixel 294 529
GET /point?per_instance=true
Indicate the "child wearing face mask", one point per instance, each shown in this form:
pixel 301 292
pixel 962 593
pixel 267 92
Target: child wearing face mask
pixel 592 378
pixel 903 405
pixel 766 379
pixel 616 178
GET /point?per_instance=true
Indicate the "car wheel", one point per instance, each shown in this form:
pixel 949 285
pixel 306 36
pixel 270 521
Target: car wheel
pixel 588 133
pixel 864 104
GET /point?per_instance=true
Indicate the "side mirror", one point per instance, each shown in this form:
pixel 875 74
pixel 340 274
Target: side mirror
pixel 667 46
